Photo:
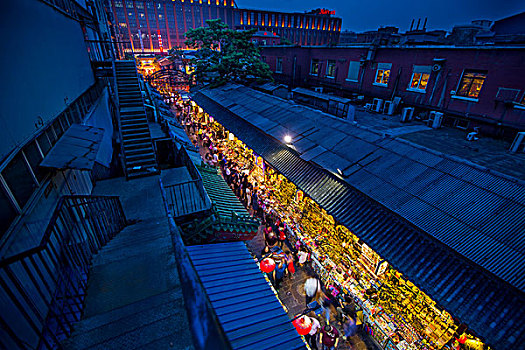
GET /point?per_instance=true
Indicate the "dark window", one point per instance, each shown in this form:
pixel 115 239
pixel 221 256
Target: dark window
pixel 314 67
pixel 34 158
pixel 471 83
pixel 7 212
pixel 58 128
pixel 279 65
pixel 51 135
pixel 19 179
pixel 330 68
pixel 44 143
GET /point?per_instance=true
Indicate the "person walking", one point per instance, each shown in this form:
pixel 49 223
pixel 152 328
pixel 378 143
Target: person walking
pixel 329 337
pixel 278 273
pixel 311 338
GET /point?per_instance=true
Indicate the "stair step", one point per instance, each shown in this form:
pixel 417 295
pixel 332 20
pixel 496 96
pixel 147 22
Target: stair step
pixel 133 124
pixel 137 141
pixel 142 156
pixel 143 163
pixel 135 328
pixel 133 134
pixel 127 250
pixel 141 173
pixel 137 151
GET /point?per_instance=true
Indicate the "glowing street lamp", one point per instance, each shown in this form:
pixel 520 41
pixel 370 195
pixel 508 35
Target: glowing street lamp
pixel 288 139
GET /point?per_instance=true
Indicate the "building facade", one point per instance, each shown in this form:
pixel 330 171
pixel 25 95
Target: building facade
pixel 316 28
pixel 154 26
pixel 473 86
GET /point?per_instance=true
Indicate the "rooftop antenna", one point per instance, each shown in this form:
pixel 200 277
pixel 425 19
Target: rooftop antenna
pixel 418 21
pixel 425 23
pixel 412 24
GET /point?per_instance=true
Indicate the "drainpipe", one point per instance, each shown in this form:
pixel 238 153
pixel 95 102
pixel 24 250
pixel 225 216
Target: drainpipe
pixel 442 97
pixel 293 70
pixel 434 87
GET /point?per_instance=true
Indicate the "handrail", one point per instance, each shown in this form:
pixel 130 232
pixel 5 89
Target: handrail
pixel 42 288
pixel 186 203
pixel 207 331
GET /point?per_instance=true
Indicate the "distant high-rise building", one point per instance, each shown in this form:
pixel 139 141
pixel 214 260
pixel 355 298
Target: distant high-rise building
pixel 154 26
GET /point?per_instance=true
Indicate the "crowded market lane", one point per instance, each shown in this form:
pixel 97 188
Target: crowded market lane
pixel 291 291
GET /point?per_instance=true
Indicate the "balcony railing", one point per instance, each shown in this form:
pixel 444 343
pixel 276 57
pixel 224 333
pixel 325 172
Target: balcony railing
pixel 42 289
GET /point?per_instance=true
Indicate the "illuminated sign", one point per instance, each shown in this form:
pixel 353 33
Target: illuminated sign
pixel 322 12
pixel 160 41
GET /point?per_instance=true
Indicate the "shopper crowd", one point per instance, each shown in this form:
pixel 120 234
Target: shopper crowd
pixel 332 316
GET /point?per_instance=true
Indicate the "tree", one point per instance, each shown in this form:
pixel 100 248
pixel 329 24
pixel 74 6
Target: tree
pixel 225 55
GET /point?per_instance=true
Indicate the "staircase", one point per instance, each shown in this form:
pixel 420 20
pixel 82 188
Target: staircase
pixel 137 148
pixel 130 303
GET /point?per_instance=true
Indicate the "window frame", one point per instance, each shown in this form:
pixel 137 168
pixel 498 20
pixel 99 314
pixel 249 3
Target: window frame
pixel 467 96
pixel 279 62
pixel 318 66
pixel 328 66
pixel 418 89
pixel 358 71
pixel 383 70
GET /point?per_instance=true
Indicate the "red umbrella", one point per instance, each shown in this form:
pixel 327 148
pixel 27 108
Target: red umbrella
pixel 267 265
pixel 303 325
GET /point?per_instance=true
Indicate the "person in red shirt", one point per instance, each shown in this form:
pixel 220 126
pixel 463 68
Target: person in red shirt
pixel 329 337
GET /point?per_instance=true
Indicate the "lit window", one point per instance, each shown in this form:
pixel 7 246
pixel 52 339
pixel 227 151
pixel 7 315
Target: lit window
pixel 383 73
pixel 419 81
pixel 471 83
pixel 353 71
pixel 279 65
pixel 314 67
pixel 420 76
pixel 330 68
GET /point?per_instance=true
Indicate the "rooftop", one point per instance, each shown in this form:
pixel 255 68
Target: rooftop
pixel 465 206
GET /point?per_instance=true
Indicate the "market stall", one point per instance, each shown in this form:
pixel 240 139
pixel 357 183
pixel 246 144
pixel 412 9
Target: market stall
pixel 396 313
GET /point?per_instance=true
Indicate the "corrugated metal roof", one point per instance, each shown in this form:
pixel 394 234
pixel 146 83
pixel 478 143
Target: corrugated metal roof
pixel 428 200
pixel 248 310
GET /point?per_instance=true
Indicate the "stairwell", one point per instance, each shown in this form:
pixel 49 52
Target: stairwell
pixel 134 297
pixel 137 146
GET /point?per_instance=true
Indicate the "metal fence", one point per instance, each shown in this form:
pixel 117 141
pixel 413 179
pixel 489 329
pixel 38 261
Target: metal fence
pixel 42 289
pixel 186 198
pixel 207 331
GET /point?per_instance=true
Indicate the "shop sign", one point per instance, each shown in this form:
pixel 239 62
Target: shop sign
pixel 160 40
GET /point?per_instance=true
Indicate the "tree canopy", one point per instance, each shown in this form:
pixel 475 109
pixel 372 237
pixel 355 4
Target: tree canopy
pixel 225 55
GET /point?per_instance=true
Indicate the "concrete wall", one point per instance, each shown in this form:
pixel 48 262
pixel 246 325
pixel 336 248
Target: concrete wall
pixel 43 60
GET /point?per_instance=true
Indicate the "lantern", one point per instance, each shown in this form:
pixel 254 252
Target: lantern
pixel 267 265
pixel 303 325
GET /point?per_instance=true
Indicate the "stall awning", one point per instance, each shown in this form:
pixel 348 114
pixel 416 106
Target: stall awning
pixel 250 314
pixel 76 149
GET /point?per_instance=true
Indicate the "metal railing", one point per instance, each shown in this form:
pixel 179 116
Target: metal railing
pixel 208 333
pixel 187 198
pixel 42 289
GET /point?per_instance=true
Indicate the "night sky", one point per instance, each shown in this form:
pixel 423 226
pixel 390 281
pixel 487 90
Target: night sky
pixel 371 14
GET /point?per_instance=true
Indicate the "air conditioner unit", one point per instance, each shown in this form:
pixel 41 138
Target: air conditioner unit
pixel 518 145
pixel 406 114
pixel 377 103
pixel 434 119
pixel 388 107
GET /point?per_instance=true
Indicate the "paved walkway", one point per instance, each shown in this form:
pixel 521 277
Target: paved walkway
pixel 292 295
pixel 134 297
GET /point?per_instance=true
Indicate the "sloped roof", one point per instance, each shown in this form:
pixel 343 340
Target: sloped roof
pixel 76 149
pixel 248 310
pixel 444 202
